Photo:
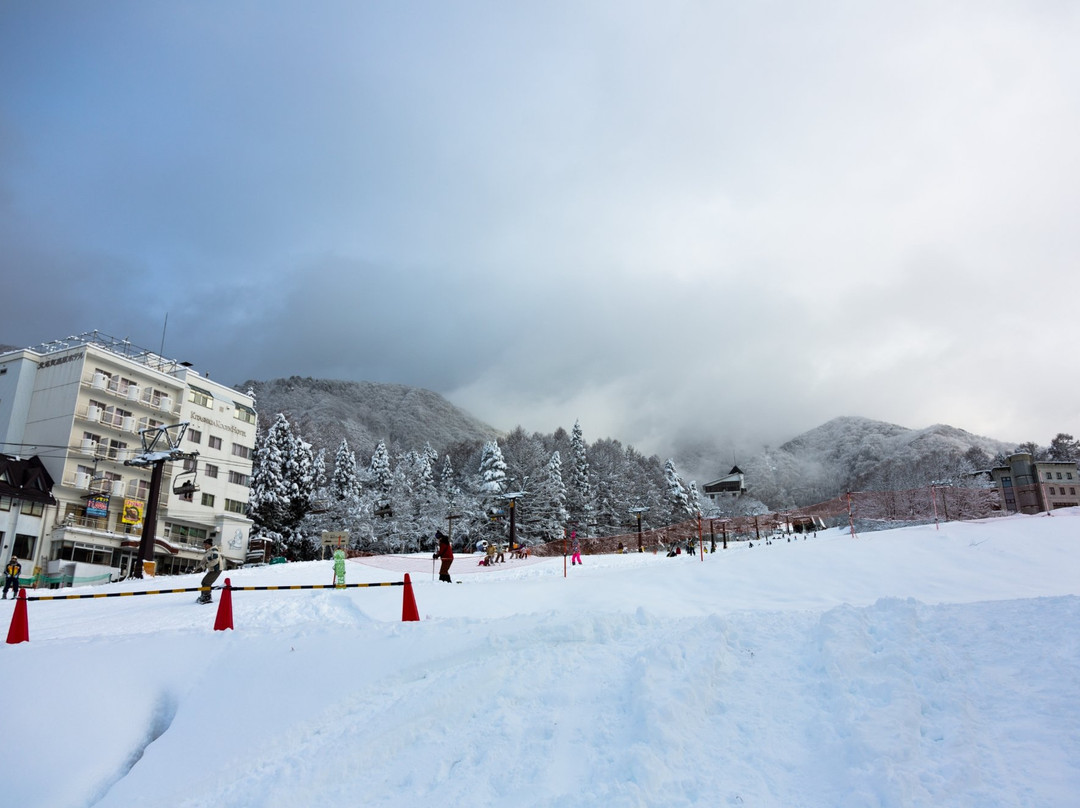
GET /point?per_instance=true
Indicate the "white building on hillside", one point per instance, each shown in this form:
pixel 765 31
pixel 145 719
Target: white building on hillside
pixel 80 405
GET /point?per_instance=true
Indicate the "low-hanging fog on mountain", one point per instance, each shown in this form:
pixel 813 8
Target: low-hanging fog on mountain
pixel 415 458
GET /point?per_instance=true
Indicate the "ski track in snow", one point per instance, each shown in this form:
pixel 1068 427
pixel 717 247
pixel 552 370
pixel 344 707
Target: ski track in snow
pixel 766 677
pixel 773 709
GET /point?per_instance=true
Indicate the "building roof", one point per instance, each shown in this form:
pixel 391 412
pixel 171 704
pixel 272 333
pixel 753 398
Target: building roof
pixel 25 479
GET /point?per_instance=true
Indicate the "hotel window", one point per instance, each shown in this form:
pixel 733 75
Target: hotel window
pixel 210 470
pixel 116 415
pixel 1052 492
pixel 1049 475
pixel 244 413
pixel 1059 475
pixel 239 450
pixel 196 395
pixel 194 435
pixel 213 442
pixel 189 535
pixel 235 506
pixel 208 500
pixel 5 503
pixel 237 478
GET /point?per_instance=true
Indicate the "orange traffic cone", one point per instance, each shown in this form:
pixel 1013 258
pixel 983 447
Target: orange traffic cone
pixel 20 626
pixel 224 609
pixel 408 603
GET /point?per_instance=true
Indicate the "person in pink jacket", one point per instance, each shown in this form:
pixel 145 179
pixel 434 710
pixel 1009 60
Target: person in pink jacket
pixel 575 548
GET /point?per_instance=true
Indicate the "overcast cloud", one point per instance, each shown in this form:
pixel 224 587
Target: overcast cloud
pixel 728 220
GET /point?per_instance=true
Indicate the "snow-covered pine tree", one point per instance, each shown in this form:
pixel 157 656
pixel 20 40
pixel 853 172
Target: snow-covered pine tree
pixel 302 472
pixel 344 484
pixel 579 491
pixel 492 472
pixel 491 480
pixel 677 500
pixel 551 501
pixel 382 477
pixel 693 498
pixel 267 487
pixel 282 487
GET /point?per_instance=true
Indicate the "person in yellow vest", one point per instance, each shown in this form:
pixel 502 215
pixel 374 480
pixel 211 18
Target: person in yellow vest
pixel 212 563
pixel 11 576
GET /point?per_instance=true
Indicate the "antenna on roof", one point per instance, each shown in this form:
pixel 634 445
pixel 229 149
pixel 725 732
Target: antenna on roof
pixel 161 353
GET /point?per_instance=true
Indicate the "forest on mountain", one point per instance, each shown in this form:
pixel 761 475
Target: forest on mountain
pixel 391 464
pixel 397 504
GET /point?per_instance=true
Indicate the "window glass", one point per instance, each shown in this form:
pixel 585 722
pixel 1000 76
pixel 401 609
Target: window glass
pixel 24 546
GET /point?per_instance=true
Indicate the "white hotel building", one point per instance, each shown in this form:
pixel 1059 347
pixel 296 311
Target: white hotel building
pixel 79 405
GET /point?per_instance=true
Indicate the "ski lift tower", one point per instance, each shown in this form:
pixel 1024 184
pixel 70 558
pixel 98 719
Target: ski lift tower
pixel 638 513
pixel 512 497
pixel 160 445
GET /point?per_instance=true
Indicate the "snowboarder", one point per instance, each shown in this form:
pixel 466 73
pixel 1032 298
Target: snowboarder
pixel 11 576
pixel 339 568
pixel 212 563
pixel 446 553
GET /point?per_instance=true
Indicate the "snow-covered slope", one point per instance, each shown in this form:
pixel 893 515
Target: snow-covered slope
pixel 902 668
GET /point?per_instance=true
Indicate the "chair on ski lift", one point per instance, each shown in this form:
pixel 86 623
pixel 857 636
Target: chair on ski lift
pixel 184 483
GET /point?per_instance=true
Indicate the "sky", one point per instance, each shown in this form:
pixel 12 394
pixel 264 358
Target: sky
pixel 657 219
pixel 916 666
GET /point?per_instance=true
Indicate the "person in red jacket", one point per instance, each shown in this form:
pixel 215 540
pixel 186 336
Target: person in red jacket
pixel 446 553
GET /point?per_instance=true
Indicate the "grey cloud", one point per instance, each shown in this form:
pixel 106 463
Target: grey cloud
pixel 735 219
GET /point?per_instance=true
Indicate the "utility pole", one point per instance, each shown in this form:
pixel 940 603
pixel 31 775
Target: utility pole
pixel 160 445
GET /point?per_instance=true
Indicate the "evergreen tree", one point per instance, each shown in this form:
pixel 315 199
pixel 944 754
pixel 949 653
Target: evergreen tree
pixel 344 484
pixel 492 471
pixel 550 501
pixel 1033 449
pixel 1064 447
pixel 267 486
pixel 491 484
pixel 677 500
pixel 446 476
pixel 694 499
pixel 284 477
pixel 580 495
pixel 382 477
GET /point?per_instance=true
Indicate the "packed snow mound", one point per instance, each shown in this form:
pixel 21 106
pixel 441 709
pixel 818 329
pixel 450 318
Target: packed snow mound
pixel 919 666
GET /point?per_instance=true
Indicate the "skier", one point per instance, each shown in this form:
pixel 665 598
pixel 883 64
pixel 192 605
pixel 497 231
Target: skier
pixel 575 548
pixel 11 576
pixel 212 563
pixel 446 553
